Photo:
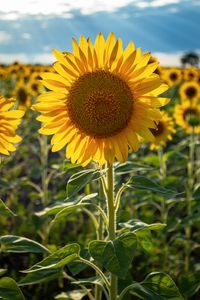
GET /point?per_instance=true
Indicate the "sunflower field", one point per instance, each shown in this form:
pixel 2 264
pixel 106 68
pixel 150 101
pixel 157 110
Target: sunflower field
pixel 99 176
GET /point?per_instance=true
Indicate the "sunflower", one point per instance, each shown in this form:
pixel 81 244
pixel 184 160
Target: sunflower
pixel 189 91
pixel 163 132
pixel 102 99
pixel 187 115
pixel 172 76
pixel 9 121
pixel 191 74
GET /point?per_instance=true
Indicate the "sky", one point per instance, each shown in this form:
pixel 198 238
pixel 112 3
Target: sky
pixel 30 29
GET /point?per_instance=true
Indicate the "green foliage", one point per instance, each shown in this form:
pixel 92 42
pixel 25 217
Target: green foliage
pixel 9 289
pixel 116 256
pixel 4 210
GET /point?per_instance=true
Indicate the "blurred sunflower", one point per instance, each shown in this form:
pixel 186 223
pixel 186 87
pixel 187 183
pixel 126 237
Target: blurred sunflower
pixel 191 74
pixel 187 115
pixel 163 132
pixel 103 98
pixel 172 76
pixel 34 87
pixel 9 121
pixel 22 96
pixel 189 91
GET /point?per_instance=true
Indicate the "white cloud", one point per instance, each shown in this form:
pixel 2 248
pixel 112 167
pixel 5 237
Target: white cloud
pixel 26 36
pixel 156 3
pixel 171 59
pixel 4 37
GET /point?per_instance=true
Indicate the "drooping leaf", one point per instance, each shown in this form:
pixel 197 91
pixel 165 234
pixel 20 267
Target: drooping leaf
pixel 56 208
pixel 134 225
pixel 116 256
pixel 51 266
pixel 71 295
pixel 4 210
pixel 68 210
pixel 18 244
pixel 144 183
pixel 9 289
pixel 130 166
pixel 79 180
pixel 189 283
pixel 156 286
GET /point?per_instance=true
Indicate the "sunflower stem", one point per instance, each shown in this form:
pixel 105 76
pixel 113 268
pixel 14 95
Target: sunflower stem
pixel 111 224
pixel 190 185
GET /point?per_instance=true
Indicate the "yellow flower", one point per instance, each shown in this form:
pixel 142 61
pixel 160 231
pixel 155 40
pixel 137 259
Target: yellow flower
pixel 189 91
pixel 9 121
pixel 187 115
pixel 103 98
pixel 172 76
pixel 191 74
pixel 163 132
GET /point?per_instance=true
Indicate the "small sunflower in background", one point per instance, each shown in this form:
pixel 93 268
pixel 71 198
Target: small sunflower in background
pixel 102 99
pixel 189 91
pixel 172 76
pixel 9 122
pixel 187 116
pixel 22 96
pixel 163 132
pixel 190 74
pixel 34 87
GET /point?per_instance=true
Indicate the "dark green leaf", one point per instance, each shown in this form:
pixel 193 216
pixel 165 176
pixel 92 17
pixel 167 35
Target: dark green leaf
pixel 9 289
pixel 116 256
pixel 4 210
pixel 189 283
pixel 143 183
pixel 51 266
pixel 13 243
pixel 79 180
pixel 56 208
pixel 156 286
pixel 72 295
pixel 130 166
pixel 135 225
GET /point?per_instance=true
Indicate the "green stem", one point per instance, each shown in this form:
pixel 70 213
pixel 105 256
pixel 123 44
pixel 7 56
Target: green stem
pixel 164 210
pixel 190 185
pixel 44 162
pixel 98 271
pixel 111 224
pixel 98 288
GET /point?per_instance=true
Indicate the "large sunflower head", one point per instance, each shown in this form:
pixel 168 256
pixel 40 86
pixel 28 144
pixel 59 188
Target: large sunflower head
pixel 187 115
pixel 9 121
pixel 189 91
pixel 102 99
pixel 163 132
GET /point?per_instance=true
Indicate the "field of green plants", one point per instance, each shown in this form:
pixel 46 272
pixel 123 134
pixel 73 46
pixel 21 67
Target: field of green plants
pixel 64 236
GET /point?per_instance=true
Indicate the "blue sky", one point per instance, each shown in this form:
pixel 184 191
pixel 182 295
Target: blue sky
pixel 30 29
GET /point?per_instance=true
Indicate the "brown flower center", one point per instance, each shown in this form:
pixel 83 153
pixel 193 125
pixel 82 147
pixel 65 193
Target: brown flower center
pixel 159 130
pixel 191 92
pixel 100 104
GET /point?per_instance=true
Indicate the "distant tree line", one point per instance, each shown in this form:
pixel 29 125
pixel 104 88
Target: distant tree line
pixel 191 59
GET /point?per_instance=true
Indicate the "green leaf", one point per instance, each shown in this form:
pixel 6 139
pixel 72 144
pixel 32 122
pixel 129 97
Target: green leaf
pixel 144 239
pixel 135 225
pixel 79 180
pixel 68 210
pixel 51 267
pixel 156 286
pixel 143 183
pixel 56 208
pixel 189 283
pixel 130 166
pixel 4 210
pixel 4 183
pixel 18 244
pixel 75 294
pixel 2 271
pixel 116 256
pixel 9 289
